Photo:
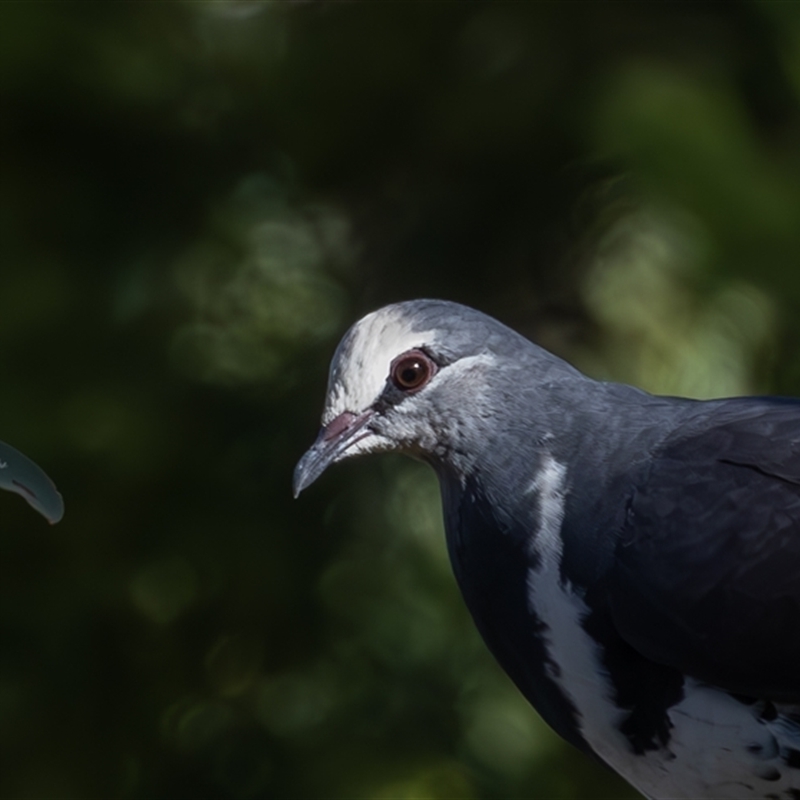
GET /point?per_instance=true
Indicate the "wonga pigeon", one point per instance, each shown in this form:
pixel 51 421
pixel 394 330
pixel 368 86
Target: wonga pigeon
pixel 632 561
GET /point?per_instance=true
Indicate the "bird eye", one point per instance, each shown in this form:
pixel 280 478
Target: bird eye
pixel 412 370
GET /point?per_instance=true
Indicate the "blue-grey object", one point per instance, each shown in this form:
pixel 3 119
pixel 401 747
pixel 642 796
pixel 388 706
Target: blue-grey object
pixel 19 474
pixel 632 561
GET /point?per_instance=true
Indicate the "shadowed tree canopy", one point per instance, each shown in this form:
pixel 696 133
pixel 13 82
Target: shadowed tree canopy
pixel 196 200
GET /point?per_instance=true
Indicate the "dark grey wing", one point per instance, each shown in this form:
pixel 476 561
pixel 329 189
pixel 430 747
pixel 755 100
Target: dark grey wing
pixel 707 571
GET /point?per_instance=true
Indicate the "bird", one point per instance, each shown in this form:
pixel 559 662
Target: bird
pixel 632 561
pixel 22 476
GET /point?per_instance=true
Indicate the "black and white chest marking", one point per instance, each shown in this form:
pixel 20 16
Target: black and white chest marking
pixel 574 662
pixel 718 747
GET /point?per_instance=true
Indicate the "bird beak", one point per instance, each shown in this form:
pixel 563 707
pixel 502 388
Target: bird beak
pixel 332 444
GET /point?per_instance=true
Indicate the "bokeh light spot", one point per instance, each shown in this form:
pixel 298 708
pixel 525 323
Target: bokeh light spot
pixel 504 733
pixel 292 704
pixel 661 332
pixel 234 663
pixel 193 726
pixel 262 288
pixel 163 590
pixel 445 781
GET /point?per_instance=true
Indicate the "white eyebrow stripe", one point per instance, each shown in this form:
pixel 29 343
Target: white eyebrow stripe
pixel 361 363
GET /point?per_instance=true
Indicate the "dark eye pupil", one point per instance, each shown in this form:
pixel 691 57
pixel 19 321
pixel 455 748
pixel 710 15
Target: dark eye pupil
pixel 410 373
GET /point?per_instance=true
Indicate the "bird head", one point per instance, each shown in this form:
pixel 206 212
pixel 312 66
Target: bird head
pixel 414 377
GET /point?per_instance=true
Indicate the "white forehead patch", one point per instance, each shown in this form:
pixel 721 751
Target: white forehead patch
pixel 360 365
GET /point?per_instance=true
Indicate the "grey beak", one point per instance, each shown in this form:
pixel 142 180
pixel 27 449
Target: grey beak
pixel 333 440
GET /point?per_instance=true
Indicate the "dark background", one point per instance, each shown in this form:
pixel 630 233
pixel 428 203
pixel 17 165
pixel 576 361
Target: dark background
pixel 197 200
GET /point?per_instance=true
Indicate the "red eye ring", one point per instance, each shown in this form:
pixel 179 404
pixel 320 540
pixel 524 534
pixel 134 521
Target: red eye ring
pixel 412 370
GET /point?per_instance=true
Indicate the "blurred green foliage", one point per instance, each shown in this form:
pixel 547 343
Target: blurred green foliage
pixel 196 200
